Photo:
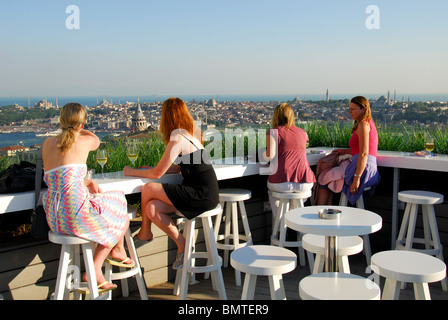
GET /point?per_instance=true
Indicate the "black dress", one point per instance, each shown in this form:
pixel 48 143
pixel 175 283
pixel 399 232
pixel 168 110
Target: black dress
pixel 199 191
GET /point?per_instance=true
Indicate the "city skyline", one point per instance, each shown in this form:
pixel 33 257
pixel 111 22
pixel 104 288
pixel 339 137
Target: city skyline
pixel 198 47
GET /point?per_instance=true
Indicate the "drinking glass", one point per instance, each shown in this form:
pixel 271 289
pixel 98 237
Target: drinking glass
pixel 131 152
pixel 429 146
pixel 101 158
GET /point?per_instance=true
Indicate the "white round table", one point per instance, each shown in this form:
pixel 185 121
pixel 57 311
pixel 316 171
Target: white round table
pixel 352 222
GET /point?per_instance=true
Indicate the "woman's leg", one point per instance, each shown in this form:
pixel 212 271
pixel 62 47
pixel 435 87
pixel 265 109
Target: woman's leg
pixel 101 253
pixel 324 197
pixel 155 207
pixel 157 211
pixel 150 191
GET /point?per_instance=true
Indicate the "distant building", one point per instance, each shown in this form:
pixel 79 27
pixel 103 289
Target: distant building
pixel 211 103
pixel 139 121
pixel 382 102
pixel 44 104
pixel 12 150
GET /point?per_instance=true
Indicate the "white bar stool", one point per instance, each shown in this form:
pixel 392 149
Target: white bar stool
pixel 213 260
pixel 69 270
pixel 261 260
pixel 316 244
pixel 338 286
pixel 126 273
pixel 431 240
pixel 288 200
pixel 359 204
pixel 407 266
pixel 229 198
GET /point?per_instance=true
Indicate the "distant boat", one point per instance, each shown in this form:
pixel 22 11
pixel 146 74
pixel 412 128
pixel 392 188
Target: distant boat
pixel 48 133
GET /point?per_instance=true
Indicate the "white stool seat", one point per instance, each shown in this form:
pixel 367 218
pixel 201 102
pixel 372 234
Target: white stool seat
pixel 261 260
pixel 420 197
pixel 338 286
pixel 69 270
pixel 431 239
pixel 288 200
pixel 316 244
pixel 126 273
pixel 190 256
pixel 231 239
pixel 407 266
pixel 233 194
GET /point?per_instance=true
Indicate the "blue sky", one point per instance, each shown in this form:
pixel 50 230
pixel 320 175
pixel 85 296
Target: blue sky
pixel 219 47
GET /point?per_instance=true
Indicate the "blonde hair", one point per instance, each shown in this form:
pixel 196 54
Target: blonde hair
pixel 283 116
pixel 71 119
pixel 363 103
pixel 175 115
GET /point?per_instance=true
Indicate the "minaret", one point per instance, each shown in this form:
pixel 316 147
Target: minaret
pixel 328 96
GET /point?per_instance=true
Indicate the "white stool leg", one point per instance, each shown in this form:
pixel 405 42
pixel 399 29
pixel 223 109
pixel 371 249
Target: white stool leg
pixel 76 260
pixel 276 287
pixel 189 228
pixel 367 250
pixel 90 270
pixel 139 276
pixel 428 239
pixel 391 290
pixel 319 264
pixel 62 272
pixel 245 221
pixel 282 226
pixel 343 264
pixel 213 253
pixel 343 200
pixel 250 281
pixel 404 224
pixel 227 232
pixel 421 291
pixel 435 237
pixel 411 226
pixel 236 239
pixel 311 262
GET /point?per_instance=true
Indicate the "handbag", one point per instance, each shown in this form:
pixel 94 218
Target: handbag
pixel 39 224
pixel 329 161
pixel 18 177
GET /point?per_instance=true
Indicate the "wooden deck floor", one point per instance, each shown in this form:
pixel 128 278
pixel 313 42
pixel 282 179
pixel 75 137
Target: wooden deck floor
pixel 203 290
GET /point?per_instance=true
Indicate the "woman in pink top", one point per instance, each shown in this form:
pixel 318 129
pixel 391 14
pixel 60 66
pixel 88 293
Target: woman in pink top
pixel 362 172
pixel 286 146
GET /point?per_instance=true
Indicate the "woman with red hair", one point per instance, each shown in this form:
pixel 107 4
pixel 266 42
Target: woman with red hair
pixel 199 189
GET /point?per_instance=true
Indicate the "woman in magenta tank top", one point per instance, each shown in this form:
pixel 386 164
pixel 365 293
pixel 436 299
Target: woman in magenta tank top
pixel 362 172
pixel 286 146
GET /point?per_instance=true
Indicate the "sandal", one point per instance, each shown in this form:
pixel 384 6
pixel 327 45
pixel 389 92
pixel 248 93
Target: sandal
pixel 120 263
pixel 85 290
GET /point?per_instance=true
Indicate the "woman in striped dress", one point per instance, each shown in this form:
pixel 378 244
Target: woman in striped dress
pixel 76 206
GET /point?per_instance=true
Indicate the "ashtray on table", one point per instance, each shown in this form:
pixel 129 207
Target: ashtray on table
pixel 329 214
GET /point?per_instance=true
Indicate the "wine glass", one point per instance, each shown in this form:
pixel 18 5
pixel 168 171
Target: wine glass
pixel 101 158
pixel 429 146
pixel 131 152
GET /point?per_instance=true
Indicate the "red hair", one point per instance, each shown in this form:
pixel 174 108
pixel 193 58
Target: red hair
pixel 175 115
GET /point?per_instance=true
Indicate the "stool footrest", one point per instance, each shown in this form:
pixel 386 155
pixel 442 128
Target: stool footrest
pixel 276 242
pixel 401 245
pixel 124 274
pixel 206 268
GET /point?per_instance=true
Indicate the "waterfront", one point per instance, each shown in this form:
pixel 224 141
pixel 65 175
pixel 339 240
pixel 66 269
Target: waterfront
pixel 92 101
pixel 26 139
